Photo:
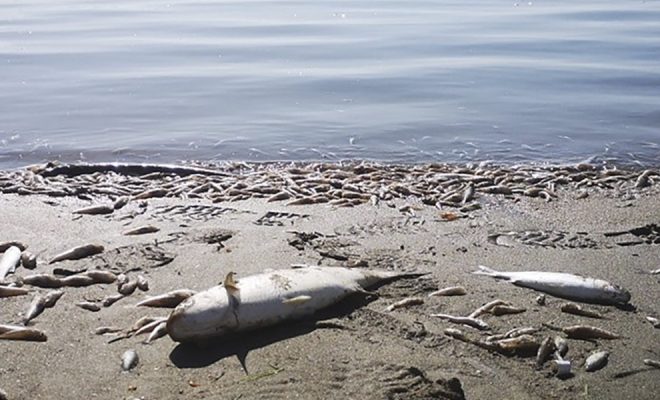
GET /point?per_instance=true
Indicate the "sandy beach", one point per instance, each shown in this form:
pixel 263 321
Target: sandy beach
pixel 441 220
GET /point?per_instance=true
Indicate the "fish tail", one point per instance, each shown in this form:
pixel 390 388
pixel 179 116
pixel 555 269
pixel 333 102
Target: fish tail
pixel 483 270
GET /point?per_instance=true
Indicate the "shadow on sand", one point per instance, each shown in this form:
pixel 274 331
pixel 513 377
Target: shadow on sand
pixel 198 355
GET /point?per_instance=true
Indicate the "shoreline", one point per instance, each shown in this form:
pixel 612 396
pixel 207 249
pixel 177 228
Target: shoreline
pixel 510 219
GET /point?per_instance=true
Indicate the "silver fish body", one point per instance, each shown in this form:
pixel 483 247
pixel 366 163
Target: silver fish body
pixel 266 299
pixel 563 285
pixel 9 261
pixel 596 361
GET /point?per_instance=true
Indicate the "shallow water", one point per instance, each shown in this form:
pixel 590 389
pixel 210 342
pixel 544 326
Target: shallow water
pixel 550 81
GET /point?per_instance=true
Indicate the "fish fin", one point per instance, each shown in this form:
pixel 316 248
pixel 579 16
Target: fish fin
pixel 302 299
pixel 483 270
pixel 229 282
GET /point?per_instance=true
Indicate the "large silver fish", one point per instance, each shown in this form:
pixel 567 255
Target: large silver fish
pixel 568 286
pixel 266 299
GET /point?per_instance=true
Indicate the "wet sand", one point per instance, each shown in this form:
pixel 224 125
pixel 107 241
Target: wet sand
pixel 364 351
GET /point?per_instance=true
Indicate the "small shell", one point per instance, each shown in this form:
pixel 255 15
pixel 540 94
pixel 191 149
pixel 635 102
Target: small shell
pixel 142 283
pixel 129 360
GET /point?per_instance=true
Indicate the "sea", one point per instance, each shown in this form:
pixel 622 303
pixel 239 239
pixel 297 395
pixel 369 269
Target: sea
pixel 502 81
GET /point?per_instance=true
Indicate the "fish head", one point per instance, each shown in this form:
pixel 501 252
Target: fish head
pixel 617 294
pixel 207 314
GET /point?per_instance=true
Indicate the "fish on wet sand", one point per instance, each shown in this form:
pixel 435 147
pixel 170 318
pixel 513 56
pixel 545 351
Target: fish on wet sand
pixel 10 291
pixel 576 309
pixel 469 321
pixel 408 302
pixel 141 230
pixel 43 281
pixel 568 286
pixel 78 252
pixel 167 300
pixel 89 306
pixel 28 260
pixel 587 332
pixel 544 352
pixel 263 300
pixel 9 261
pixel 449 291
pixel 95 210
pixel 40 303
pixel 596 361
pixel 14 332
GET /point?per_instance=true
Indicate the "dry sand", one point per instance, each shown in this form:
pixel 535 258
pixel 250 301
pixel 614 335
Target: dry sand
pixel 366 353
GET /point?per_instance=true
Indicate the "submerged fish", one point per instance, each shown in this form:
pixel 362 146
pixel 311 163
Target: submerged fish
pixel 266 299
pixel 563 285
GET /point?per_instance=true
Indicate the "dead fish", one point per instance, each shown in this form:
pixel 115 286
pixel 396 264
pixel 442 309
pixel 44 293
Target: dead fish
pixel 129 360
pixel 152 193
pixel 279 196
pixel 13 332
pixel 157 333
pixel 652 363
pixel 9 261
pixel 654 321
pixel 487 307
pixel 101 276
pixel 10 291
pixel 167 300
pixel 520 344
pixel 77 281
pixel 61 272
pixel 77 253
pixel 120 202
pixel 43 281
pixel 655 271
pixel 40 303
pixel 112 299
pixel 449 291
pixel 596 361
pixel 127 288
pixel 588 332
pixel 408 302
pixel 470 321
pixel 301 201
pixel 150 326
pixel 563 285
pixel 576 309
pixel 95 210
pixel 89 306
pixel 28 260
pixel 142 322
pixel 142 283
pixel 102 330
pixel 506 309
pixel 515 332
pixel 561 345
pixel 455 333
pixel 141 230
pixel 546 348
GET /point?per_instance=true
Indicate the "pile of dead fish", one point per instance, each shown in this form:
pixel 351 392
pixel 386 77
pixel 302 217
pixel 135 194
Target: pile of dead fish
pixel 336 184
pixel 48 288
pixel 525 341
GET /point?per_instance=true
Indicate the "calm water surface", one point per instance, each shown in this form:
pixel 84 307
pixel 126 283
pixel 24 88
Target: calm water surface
pixel 157 81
